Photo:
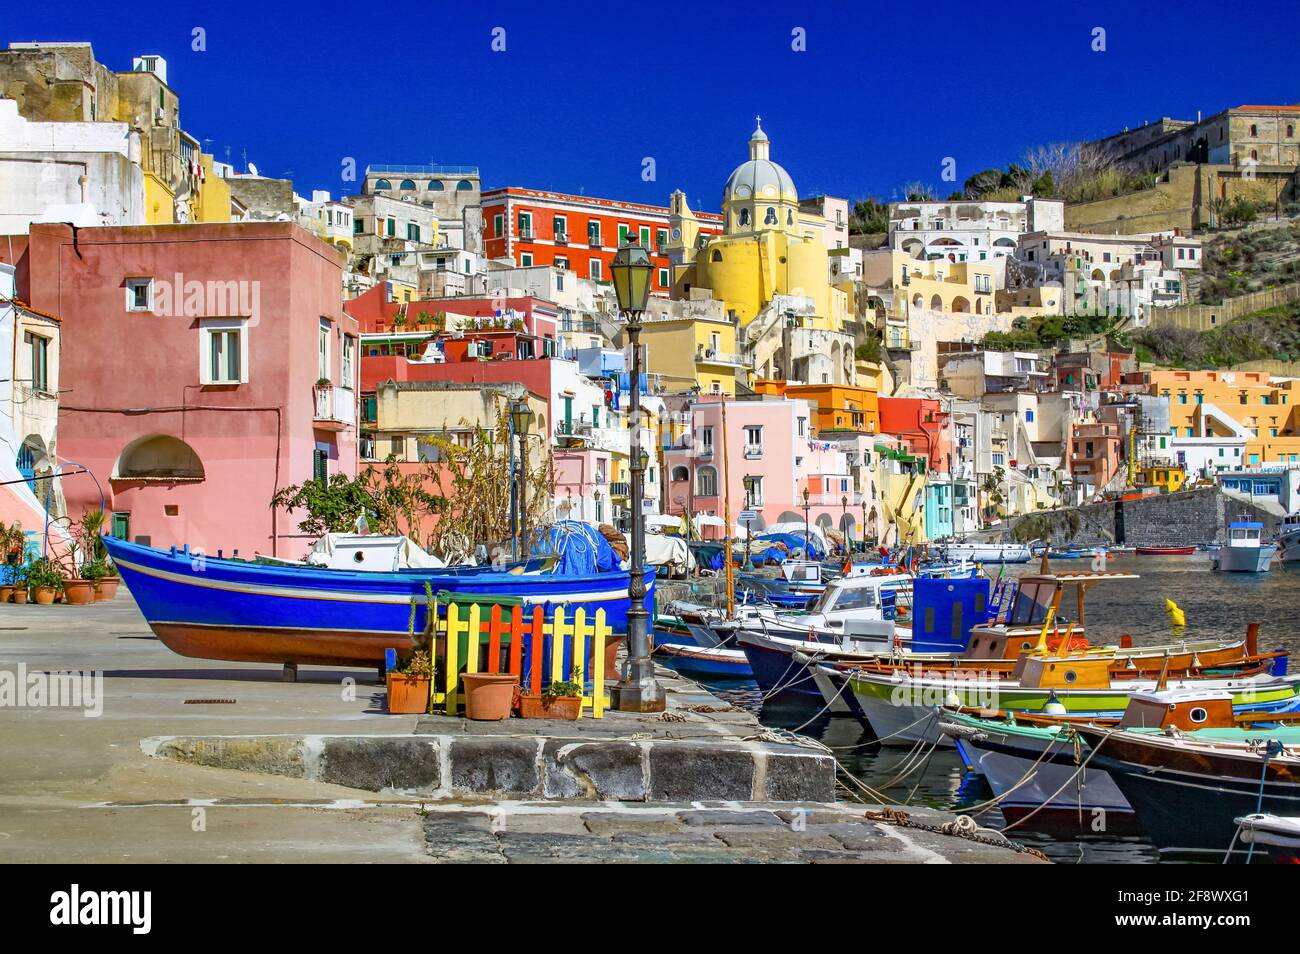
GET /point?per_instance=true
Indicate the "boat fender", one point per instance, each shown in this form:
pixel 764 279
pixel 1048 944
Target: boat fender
pixel 962 731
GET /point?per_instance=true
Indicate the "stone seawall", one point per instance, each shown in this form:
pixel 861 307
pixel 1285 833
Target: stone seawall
pixel 1188 518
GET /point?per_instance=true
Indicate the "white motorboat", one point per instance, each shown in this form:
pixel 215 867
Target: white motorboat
pixel 1245 551
pixel 987 552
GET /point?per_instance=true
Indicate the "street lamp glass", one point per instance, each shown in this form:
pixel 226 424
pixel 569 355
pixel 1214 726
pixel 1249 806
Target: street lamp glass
pixel 645 458
pixel 522 416
pixel 631 271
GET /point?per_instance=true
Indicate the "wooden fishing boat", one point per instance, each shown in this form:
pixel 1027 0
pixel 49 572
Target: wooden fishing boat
pixel 1036 764
pixel 213 608
pixel 1165 551
pixel 1189 790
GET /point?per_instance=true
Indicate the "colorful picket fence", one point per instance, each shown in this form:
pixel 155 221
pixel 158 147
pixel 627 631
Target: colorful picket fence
pixel 505 636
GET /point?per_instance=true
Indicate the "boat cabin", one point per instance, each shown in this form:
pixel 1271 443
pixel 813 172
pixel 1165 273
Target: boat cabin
pixel 1070 672
pixel 1185 709
pixel 1245 534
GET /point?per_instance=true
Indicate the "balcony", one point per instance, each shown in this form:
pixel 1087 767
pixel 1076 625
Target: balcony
pixel 593 241
pixel 525 235
pixel 711 356
pixel 336 408
pixel 620 489
pixel 705 452
pixel 561 238
pixel 753 451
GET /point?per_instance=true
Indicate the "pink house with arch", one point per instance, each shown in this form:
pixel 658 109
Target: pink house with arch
pixel 771 457
pixel 203 367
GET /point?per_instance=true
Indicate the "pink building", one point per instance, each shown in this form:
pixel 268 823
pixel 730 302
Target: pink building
pixel 771 457
pixel 203 367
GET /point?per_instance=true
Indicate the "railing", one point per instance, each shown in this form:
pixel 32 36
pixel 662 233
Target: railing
pixel 593 241
pixel 334 405
pixel 710 356
pixel 753 451
pixel 526 235
pixel 561 238
pixel 620 489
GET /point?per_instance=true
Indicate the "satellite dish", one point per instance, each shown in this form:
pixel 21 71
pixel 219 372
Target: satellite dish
pixel 252 169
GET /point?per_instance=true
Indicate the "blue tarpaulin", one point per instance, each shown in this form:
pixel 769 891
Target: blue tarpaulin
pixel 580 547
pixel 795 542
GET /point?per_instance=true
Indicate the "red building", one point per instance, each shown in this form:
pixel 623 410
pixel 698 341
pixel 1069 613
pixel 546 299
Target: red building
pixel 580 232
pixel 921 422
pixel 203 368
pixel 377 313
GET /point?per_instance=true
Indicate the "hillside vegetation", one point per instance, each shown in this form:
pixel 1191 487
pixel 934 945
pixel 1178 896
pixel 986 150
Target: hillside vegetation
pixel 1267 335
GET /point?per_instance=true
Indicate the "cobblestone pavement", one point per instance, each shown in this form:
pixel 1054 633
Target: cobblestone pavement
pixel 531 833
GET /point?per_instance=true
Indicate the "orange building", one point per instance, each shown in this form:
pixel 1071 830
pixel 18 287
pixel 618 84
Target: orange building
pixel 836 407
pixel 579 232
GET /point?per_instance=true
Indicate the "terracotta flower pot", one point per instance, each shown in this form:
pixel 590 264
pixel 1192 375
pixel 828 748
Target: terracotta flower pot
pixel 79 592
pixel 6 593
pixel 20 594
pixel 44 595
pixel 106 588
pixel 488 695
pixel 550 707
pixel 408 695
pixel 611 656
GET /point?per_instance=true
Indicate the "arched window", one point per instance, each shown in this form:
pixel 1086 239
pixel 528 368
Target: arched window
pixel 435 185
pixel 383 184
pixel 744 216
pixel 789 217
pixel 770 217
pixel 408 185
pixel 706 482
pixel 716 256
pixel 680 474
pixel 464 185
pixel 158 457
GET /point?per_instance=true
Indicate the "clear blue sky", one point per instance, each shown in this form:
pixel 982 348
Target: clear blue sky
pixel 883 92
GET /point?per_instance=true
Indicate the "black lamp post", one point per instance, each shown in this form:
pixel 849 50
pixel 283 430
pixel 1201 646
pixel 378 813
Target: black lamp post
pixel 637 691
pixel 521 416
pixel 807 527
pixel 864 523
pixel 844 523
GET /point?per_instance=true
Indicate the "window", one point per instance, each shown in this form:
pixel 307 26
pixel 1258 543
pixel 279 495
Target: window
pixel 39 348
pixel 663 278
pixel 139 294
pixel 349 348
pixel 383 184
pixel 753 491
pixel 593 232
pixel 358 226
pixel 706 482
pixel 744 216
pixel 320 469
pixel 1029 416
pixel 645 236
pixel 408 185
pixel 435 185
pixel 464 185
pixel 323 352
pixel 223 353
pixel 802 426
pixel 661 238
pixel 595 270
pixel 391 228
pixel 753 439
pixel 413 231
pixel 525 259
pixel 560 226
pixel 498 224
pixel 525 225
pixel 706 440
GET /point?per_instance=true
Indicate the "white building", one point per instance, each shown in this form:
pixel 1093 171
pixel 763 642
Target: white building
pixel 961 231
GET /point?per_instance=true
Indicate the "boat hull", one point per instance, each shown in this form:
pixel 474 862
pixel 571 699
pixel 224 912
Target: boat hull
pixel 1188 798
pixel 246 612
pixel 1245 559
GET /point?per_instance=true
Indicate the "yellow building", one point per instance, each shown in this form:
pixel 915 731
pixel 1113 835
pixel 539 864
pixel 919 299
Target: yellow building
pixel 1265 407
pixel 691 344
pixel 1168 479
pixel 766 248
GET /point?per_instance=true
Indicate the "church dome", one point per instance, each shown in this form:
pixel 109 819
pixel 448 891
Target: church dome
pixel 760 177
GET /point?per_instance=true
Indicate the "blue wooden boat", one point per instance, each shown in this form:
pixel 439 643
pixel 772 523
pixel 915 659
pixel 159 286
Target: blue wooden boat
pixel 213 608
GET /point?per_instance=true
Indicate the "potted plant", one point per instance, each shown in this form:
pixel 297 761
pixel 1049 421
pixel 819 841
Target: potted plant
pixel 489 696
pixel 12 543
pixel 98 567
pixel 100 573
pixel 44 579
pixel 562 699
pixel 409 685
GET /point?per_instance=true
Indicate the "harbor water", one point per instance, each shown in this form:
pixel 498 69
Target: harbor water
pixel 1216 605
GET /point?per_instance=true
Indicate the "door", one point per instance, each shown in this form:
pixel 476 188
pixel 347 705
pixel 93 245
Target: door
pixel 120 526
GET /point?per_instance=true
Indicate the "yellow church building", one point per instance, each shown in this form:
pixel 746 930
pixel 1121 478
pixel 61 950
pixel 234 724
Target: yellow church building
pixel 770 270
